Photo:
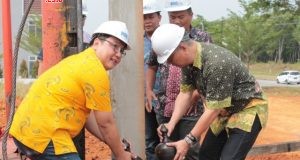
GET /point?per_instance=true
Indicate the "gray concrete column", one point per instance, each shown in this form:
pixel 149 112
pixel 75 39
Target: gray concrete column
pixel 127 79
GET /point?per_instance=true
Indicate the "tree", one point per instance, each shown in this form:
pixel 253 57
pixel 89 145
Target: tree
pixel 34 69
pixel 32 35
pixel 296 35
pixel 267 30
pixel 23 71
pixel 1 72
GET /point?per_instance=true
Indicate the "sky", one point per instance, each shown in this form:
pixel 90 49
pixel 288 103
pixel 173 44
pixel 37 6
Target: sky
pixel 209 9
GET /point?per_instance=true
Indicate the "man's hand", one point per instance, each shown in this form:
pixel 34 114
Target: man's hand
pixel 150 96
pixel 181 149
pixel 125 156
pixel 168 126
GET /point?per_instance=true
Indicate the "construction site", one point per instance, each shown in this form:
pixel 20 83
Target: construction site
pixel 62 35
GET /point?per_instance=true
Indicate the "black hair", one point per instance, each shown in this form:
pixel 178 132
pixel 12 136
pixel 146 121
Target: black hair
pixel 101 36
pixel 190 11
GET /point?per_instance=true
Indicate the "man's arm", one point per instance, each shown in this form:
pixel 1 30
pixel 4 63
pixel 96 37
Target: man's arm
pixel 150 80
pixel 92 127
pixel 182 104
pixel 108 128
pixel 205 121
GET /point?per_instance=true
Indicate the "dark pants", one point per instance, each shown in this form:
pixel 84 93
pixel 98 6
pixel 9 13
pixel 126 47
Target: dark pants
pixel 182 128
pixel 151 137
pixel 233 145
pixel 48 153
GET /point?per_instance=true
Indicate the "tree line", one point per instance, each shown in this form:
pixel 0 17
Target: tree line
pixel 268 30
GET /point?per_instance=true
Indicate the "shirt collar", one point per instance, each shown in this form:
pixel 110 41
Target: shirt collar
pixel 198 60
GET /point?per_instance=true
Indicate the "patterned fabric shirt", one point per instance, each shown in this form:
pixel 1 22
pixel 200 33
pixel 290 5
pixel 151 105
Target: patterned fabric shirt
pixel 226 84
pixel 59 101
pixel 166 82
pixel 147 51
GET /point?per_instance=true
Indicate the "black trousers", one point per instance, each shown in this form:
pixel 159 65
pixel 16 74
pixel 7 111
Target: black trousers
pixel 233 145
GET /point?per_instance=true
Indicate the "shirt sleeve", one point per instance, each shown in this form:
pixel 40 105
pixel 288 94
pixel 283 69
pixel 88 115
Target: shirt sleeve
pixel 152 61
pixel 187 79
pixel 96 88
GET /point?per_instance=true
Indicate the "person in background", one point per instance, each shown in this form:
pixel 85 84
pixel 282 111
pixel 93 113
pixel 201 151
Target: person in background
pixel 59 102
pixel 236 109
pixel 181 14
pixel 152 18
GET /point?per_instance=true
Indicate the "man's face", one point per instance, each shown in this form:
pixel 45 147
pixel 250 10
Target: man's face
pixel 151 21
pixel 179 58
pixel 109 51
pixel 181 18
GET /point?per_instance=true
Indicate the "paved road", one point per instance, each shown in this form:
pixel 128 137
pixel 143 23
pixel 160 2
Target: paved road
pixel 270 83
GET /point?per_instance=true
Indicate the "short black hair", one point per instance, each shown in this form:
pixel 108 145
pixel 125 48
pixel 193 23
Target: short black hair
pixel 101 36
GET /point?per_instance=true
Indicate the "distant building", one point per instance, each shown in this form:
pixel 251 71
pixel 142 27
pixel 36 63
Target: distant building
pixel 18 8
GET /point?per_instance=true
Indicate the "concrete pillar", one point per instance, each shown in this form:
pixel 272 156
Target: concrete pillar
pixel 127 79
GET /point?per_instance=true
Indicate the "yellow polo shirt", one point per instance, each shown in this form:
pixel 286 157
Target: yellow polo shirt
pixel 58 103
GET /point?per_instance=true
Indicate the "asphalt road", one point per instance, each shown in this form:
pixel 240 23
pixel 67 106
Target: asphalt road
pixel 269 83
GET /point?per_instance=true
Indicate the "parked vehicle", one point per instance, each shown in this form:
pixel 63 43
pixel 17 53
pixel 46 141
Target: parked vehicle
pixel 289 77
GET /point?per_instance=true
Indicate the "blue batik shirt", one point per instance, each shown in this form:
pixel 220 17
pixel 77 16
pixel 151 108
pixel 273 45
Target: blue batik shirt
pixel 147 51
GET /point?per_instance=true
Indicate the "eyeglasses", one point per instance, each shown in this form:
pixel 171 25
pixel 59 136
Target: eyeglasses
pixel 116 47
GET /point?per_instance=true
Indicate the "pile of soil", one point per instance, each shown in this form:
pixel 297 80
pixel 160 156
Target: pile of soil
pixel 284 113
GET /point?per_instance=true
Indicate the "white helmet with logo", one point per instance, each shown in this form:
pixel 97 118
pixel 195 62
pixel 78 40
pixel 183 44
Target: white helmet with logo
pixel 177 5
pixel 165 40
pixel 150 6
pixel 117 29
pixel 84 8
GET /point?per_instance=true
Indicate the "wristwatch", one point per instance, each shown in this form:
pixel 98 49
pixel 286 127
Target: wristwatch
pixel 190 139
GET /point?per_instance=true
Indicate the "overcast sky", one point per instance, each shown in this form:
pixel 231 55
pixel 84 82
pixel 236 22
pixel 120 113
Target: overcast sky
pixel 209 9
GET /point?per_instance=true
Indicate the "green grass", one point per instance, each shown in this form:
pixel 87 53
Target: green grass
pixel 269 71
pixel 282 91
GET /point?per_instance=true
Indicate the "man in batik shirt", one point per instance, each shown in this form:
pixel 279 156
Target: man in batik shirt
pixel 236 109
pixel 181 14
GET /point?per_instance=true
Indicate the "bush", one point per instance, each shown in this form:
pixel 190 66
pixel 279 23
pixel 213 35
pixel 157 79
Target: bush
pixel 1 72
pixel 23 71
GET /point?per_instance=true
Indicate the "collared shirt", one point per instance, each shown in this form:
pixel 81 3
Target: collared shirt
pixel 59 102
pixel 226 84
pixel 147 51
pixel 171 83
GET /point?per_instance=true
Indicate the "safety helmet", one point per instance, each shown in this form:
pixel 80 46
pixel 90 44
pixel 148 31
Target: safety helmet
pixel 177 5
pixel 84 8
pixel 150 6
pixel 165 40
pixel 117 29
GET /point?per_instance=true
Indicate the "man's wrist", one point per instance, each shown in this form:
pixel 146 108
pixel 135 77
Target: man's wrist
pixel 190 139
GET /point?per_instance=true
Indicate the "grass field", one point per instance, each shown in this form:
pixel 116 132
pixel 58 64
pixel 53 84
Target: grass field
pixel 269 71
pixel 282 91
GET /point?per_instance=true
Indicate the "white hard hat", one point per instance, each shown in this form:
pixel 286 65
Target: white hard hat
pixel 150 6
pixel 117 29
pixel 84 8
pixel 177 5
pixel 165 40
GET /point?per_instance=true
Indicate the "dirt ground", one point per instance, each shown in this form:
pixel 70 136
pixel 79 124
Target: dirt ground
pixel 283 126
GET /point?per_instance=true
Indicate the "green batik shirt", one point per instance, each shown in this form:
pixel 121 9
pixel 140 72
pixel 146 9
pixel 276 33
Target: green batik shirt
pixel 226 84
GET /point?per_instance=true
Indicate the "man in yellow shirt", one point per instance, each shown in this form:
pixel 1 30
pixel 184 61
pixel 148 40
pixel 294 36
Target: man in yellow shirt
pixel 59 102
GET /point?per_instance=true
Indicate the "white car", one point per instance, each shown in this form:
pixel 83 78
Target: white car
pixel 289 77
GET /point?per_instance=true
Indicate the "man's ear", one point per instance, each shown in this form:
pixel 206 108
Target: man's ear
pixel 183 47
pixel 96 41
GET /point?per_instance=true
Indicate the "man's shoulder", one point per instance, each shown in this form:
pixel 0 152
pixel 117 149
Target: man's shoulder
pixel 200 35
